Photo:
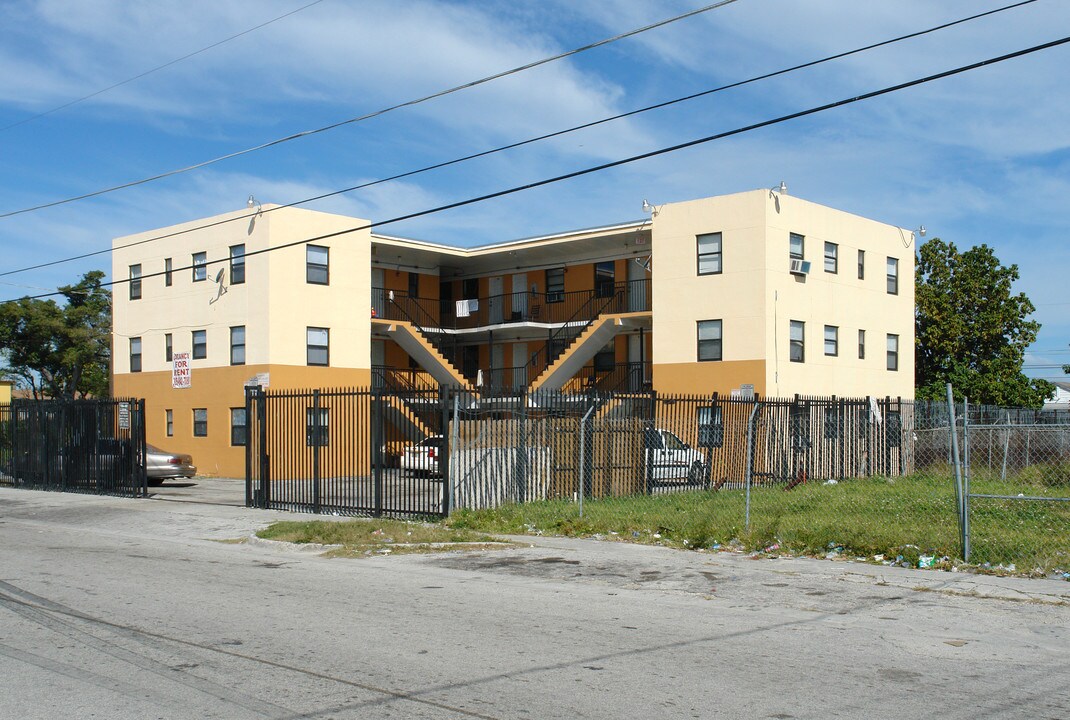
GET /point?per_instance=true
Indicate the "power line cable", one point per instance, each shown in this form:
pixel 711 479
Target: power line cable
pixel 150 71
pixel 617 163
pixel 368 116
pixel 520 143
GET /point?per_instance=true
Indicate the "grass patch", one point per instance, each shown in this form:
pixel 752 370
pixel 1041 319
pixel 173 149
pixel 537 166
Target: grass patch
pixel 905 517
pixel 361 537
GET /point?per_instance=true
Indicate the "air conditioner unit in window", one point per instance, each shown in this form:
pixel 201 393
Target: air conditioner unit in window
pixel 799 267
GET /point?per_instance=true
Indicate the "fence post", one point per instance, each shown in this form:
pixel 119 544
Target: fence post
pixel 265 459
pixel 953 425
pixel 142 449
pixel 377 452
pixel 581 475
pixel 248 447
pixel 316 442
pixel 444 461
pixel 750 458
pixel 520 453
pixel 966 480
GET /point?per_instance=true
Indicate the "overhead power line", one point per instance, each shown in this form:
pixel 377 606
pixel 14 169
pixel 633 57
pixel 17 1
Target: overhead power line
pixel 521 143
pixel 368 116
pixel 624 161
pixel 150 71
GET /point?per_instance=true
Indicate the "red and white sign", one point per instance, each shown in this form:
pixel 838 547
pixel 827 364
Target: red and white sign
pixel 180 370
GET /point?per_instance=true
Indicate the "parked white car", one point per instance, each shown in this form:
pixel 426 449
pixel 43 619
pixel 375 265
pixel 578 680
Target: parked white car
pixel 422 458
pixel 673 460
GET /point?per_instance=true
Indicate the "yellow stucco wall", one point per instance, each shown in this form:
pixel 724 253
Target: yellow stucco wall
pixel 756 297
pixel 275 304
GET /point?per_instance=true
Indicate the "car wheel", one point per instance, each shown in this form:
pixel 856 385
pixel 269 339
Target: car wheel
pixel 696 474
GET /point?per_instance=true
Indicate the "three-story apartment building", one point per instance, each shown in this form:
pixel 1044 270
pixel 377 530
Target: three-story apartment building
pixel 751 292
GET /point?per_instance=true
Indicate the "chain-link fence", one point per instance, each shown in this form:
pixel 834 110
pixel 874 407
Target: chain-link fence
pixel 871 477
pixel 1016 488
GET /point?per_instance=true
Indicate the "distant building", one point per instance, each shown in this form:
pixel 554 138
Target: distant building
pixel 751 292
pixel 1060 399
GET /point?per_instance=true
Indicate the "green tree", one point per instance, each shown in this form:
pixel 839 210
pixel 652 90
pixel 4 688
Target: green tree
pixel 971 329
pixel 60 350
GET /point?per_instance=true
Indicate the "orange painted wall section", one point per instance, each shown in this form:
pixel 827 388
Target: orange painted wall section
pixel 709 377
pixel 217 389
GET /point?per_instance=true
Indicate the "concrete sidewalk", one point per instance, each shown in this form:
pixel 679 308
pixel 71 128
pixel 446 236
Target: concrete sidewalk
pixel 204 490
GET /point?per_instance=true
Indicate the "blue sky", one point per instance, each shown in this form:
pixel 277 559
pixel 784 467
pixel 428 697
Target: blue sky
pixel 981 157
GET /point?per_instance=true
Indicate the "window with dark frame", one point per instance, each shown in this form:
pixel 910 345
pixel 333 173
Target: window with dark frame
pixel 832 340
pixel 167 272
pixel 470 288
pixel 709 340
pixel 135 282
pixel 832 258
pixel 316 435
pixel 893 352
pixel 796 246
pixel 710 426
pixel 237 264
pixel 317 265
pixel 861 264
pixel 318 346
pixel 169 422
pixel 893 276
pixel 135 354
pixel 604 278
pixel 799 426
pixel 709 253
pixel 605 360
pixel 168 347
pixel 200 266
pixel 238 426
pixel 861 344
pixel 555 285
pixel 237 345
pixel 414 284
pixel 200 344
pixel 797 341
pixel 200 422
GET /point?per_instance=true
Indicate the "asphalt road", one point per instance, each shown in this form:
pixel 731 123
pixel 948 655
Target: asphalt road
pixel 118 608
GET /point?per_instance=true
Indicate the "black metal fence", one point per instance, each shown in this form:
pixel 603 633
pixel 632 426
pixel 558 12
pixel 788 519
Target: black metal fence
pixel 347 451
pixel 424 452
pixel 88 446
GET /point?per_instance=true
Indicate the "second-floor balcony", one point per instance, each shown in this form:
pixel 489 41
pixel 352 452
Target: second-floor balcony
pixel 552 308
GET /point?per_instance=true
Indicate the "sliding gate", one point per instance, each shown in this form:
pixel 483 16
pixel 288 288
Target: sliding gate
pixel 346 452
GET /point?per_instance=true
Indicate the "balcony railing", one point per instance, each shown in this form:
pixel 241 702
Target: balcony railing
pixel 552 308
pixel 402 380
pixel 568 314
pixel 620 378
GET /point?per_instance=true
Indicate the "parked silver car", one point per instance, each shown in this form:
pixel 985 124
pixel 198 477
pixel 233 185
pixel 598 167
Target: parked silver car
pixel 161 465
